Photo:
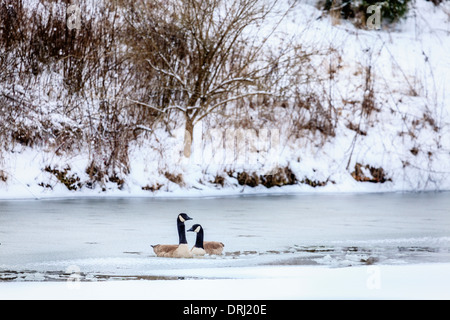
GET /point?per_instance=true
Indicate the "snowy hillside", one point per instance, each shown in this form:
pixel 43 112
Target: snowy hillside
pixel 367 110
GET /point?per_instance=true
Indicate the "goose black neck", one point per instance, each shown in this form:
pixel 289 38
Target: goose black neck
pixel 199 240
pixel 181 232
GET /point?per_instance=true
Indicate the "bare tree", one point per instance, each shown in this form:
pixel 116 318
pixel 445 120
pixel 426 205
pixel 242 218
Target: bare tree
pixel 203 54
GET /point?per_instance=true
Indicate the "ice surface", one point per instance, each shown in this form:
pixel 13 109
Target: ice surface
pixel 112 237
pixel 276 247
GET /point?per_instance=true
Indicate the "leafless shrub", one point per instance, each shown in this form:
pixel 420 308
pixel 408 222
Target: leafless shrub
pixel 316 116
pixel 198 54
pixel 88 70
pixel 11 18
pixel 368 104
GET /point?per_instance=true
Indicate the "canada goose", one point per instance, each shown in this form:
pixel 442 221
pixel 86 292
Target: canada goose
pixel 197 249
pixel 201 247
pixel 180 250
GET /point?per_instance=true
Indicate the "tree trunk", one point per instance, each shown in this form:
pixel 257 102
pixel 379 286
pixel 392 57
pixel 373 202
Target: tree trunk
pixel 188 136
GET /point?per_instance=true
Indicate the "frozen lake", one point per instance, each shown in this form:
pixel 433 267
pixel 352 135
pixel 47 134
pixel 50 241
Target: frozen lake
pixel 100 239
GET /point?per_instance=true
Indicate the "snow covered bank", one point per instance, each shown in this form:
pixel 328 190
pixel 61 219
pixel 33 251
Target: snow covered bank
pixel 404 136
pixel 427 281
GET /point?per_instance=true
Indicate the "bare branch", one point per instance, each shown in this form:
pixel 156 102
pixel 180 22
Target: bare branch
pixel 169 73
pixel 141 127
pixel 215 106
pixel 146 105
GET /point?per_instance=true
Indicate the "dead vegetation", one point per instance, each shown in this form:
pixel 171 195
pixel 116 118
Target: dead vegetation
pixel 277 178
pixel 367 173
pixel 70 181
pixel 175 178
pixel 3 176
pixel 152 188
pixel 315 183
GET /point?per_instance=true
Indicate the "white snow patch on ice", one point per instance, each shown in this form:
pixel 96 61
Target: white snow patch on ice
pixel 427 281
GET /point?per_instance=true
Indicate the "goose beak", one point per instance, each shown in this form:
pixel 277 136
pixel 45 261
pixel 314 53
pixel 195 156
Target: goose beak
pixel 191 229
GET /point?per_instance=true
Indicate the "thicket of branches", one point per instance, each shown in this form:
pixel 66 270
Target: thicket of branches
pixel 134 65
pixel 203 55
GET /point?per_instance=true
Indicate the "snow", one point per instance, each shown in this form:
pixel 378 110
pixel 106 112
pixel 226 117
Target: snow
pixel 427 281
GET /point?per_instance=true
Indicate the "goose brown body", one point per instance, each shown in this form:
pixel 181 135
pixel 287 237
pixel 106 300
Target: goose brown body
pixel 180 250
pixel 213 247
pixel 172 251
pixel 205 247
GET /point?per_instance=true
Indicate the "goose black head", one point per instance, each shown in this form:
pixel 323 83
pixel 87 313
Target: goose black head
pixel 182 217
pixel 196 228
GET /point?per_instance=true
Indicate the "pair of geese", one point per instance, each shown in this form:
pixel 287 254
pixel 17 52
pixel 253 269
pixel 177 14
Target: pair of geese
pixel 182 250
